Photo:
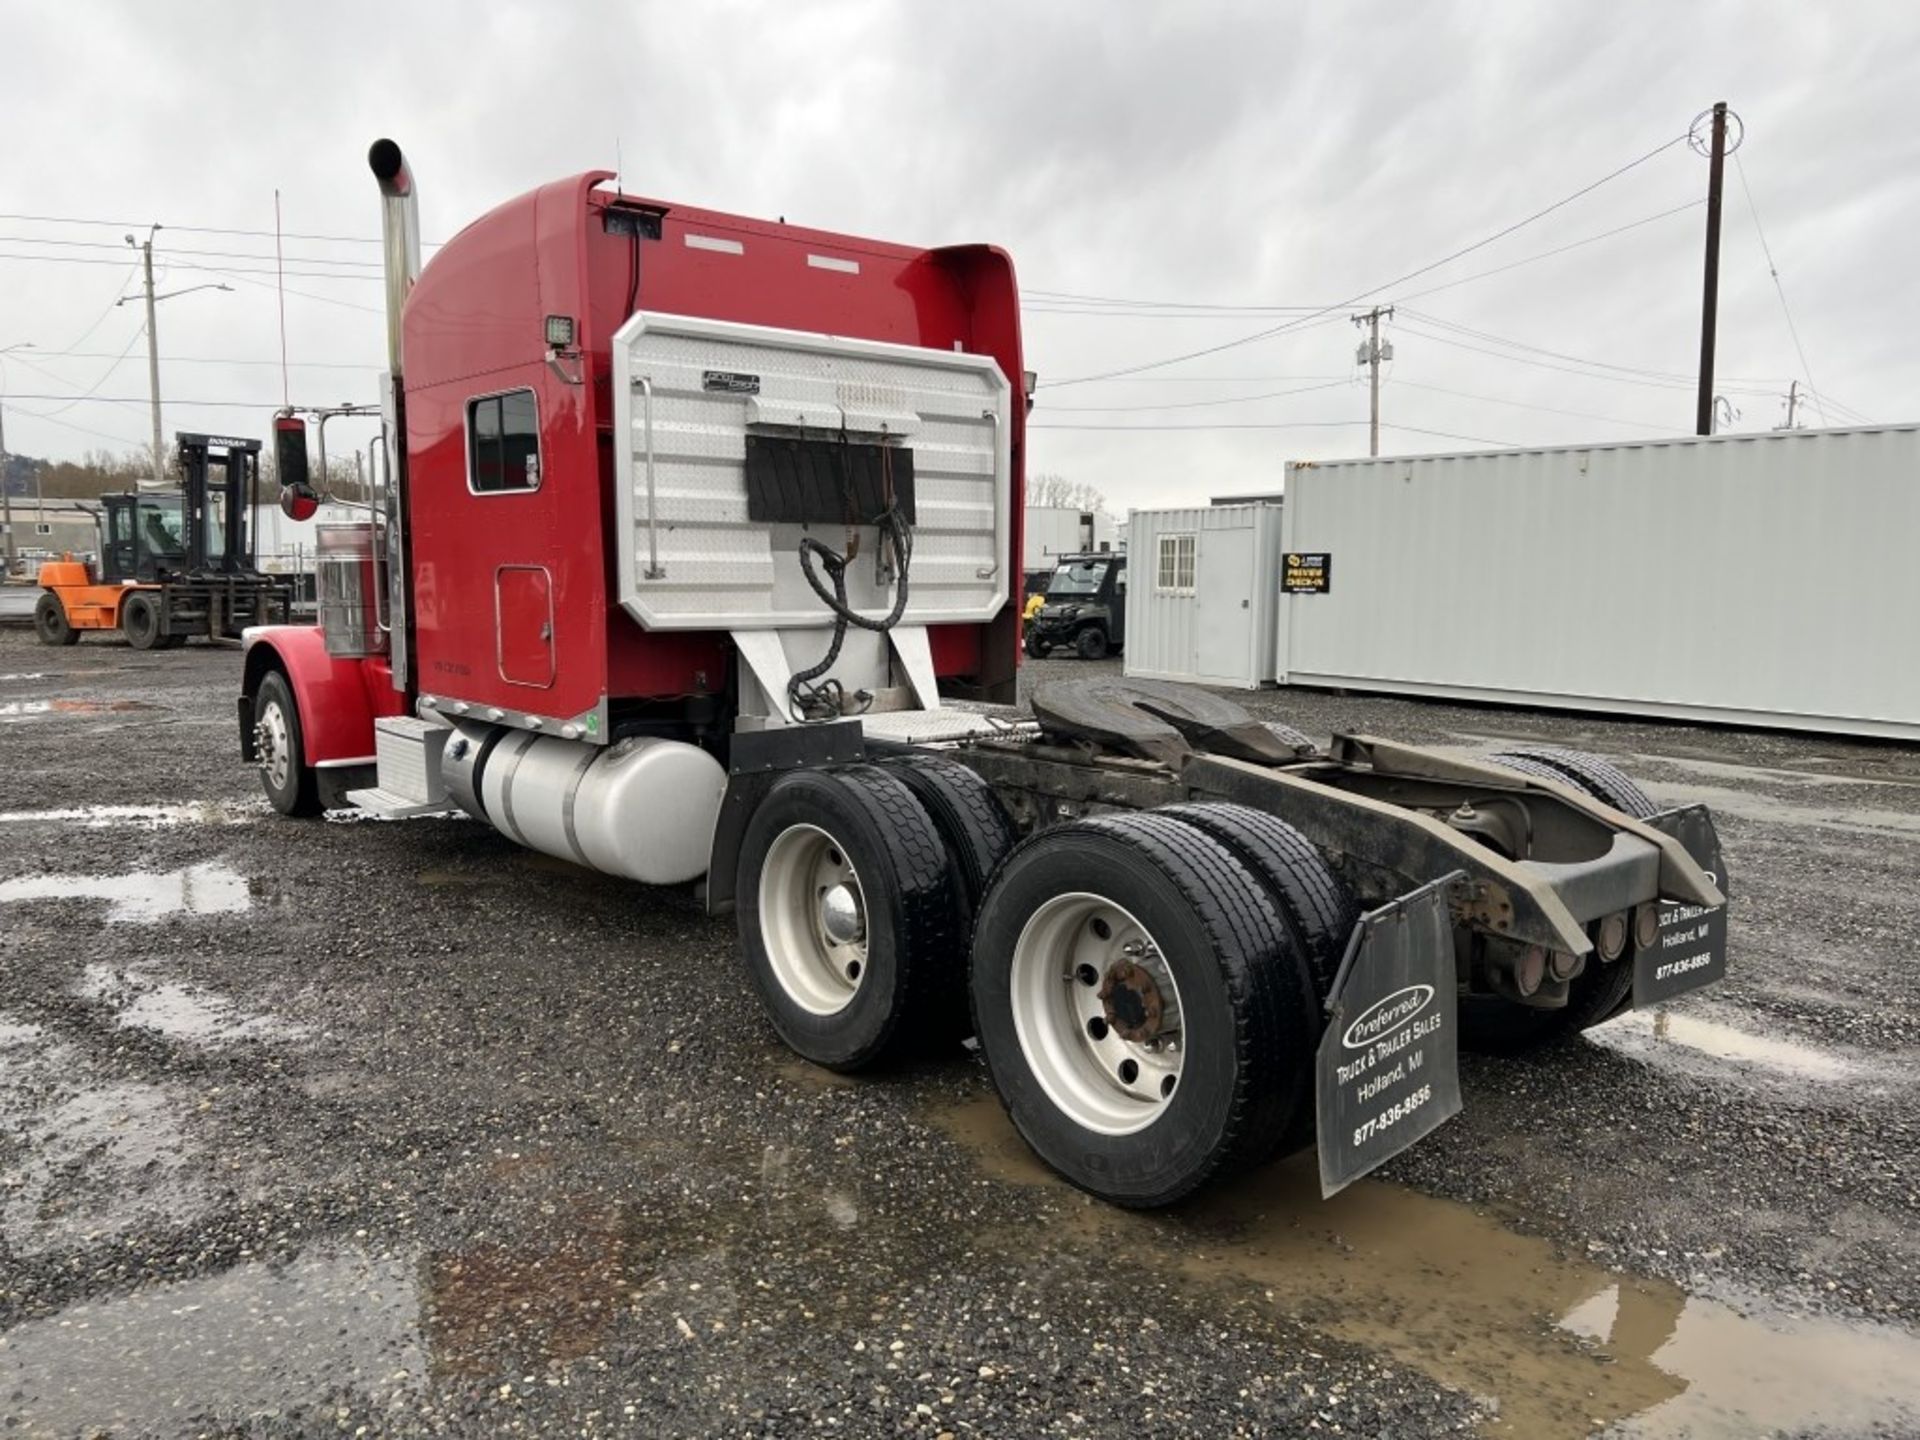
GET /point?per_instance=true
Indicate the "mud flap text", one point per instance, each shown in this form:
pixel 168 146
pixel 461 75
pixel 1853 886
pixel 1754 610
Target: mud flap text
pixel 1388 1067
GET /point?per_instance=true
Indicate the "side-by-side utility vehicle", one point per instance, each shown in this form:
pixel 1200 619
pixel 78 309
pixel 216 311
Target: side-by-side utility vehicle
pixel 698 562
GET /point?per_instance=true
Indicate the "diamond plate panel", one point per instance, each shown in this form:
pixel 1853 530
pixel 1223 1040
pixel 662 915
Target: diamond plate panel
pixel 718 570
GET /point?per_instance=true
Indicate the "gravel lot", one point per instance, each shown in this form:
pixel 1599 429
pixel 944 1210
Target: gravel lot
pixel 391 1128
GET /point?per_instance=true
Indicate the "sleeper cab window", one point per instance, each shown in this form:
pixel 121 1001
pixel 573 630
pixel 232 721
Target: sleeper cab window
pixel 503 443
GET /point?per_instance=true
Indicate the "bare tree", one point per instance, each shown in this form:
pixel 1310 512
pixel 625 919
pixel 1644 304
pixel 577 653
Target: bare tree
pixel 1054 490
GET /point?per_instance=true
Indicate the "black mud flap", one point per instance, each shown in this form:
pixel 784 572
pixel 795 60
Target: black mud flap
pixel 1690 950
pixel 1692 826
pixel 1388 1071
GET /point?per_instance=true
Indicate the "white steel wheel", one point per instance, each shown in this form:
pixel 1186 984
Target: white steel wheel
pixel 813 918
pixel 273 743
pixel 1140 1006
pixel 1097 1012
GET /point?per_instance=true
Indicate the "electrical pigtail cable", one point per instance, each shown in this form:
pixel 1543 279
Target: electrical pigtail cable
pixel 808 697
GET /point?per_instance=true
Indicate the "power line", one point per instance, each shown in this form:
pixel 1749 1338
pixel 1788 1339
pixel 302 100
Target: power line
pixel 1558 250
pixel 1428 318
pixel 1058 301
pixel 82 429
pixel 1528 405
pixel 215 360
pixel 1779 289
pixel 104 376
pixel 142 400
pixel 1617 374
pixel 1289 425
pixel 183 250
pixel 207 230
pixel 172 263
pixel 1342 383
pixel 1376 289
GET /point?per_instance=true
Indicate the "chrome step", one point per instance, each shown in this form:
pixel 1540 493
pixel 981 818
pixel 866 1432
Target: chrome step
pixel 407 756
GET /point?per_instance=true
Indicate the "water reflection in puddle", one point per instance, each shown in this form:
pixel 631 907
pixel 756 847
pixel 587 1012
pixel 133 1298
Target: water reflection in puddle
pixel 143 896
pixel 1560 1347
pixel 29 709
pixel 151 817
pixel 1663 1034
pixel 248 1343
pixel 180 1012
pixel 108 1157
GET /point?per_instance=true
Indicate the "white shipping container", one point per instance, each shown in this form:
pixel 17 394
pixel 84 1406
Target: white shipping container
pixel 1202 594
pixel 1746 579
pixel 1051 531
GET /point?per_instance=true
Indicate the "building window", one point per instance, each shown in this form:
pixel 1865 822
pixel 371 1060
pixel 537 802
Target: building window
pixel 1175 571
pixel 503 443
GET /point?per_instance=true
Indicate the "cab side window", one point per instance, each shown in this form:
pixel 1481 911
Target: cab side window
pixel 503 443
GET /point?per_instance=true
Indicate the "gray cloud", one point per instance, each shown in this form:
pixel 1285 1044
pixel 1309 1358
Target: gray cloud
pixel 1226 154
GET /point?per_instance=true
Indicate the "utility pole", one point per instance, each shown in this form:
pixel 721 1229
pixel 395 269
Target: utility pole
pixel 1710 299
pixel 153 361
pixel 1370 354
pixel 6 497
pixel 6 491
pixel 1793 399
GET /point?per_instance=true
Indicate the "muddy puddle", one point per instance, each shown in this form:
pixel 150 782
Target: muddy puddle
pixel 179 1012
pixel 144 895
pixel 1553 1345
pixel 249 1342
pixel 141 817
pixel 15 710
pixel 1703 1046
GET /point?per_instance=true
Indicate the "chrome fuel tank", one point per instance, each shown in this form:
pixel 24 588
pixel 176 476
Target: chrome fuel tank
pixel 643 808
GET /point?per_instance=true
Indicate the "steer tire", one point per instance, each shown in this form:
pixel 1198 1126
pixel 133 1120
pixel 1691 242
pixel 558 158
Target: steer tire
pixel 1037 648
pixel 296 793
pixel 1604 782
pixel 140 621
pixel 1600 991
pixel 50 621
pixel 906 988
pixel 973 824
pixel 1091 643
pixel 1245 1038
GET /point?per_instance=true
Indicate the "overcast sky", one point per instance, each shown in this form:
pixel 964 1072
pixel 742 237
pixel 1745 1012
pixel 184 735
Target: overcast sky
pixel 1204 155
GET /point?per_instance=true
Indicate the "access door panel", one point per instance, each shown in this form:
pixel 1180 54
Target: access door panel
pixel 523 620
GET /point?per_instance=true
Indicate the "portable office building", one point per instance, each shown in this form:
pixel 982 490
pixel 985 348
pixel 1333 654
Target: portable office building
pixel 1203 587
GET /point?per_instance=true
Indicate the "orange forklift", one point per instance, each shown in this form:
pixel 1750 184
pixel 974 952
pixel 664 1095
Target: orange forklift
pixel 173 563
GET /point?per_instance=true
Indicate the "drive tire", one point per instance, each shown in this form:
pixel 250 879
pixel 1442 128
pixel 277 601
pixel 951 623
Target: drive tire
pixel 909 989
pixel 1605 782
pixel 50 621
pixel 1497 1026
pixel 1245 1054
pixel 292 788
pixel 1091 643
pixel 140 621
pixel 1317 908
pixel 974 826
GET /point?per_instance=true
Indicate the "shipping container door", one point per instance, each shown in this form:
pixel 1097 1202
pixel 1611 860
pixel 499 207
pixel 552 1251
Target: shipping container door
pixel 1223 587
pixel 523 597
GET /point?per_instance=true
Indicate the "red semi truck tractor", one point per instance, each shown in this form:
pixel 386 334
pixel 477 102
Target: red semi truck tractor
pixel 693 528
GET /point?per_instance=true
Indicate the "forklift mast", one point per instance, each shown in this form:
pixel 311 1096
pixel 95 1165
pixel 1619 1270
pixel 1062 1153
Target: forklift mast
pixel 219 511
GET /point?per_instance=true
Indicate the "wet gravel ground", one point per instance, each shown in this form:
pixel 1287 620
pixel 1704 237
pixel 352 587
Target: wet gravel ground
pixel 392 1128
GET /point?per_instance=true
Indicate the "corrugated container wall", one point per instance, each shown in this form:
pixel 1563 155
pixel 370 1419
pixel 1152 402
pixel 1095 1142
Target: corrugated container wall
pixel 1202 593
pixel 1750 579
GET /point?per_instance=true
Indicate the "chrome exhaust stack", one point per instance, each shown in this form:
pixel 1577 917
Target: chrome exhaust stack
pixel 400 234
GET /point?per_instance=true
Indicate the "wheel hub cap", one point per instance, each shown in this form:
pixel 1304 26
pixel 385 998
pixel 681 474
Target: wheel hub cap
pixel 1097 1011
pixel 1133 1002
pixel 840 916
